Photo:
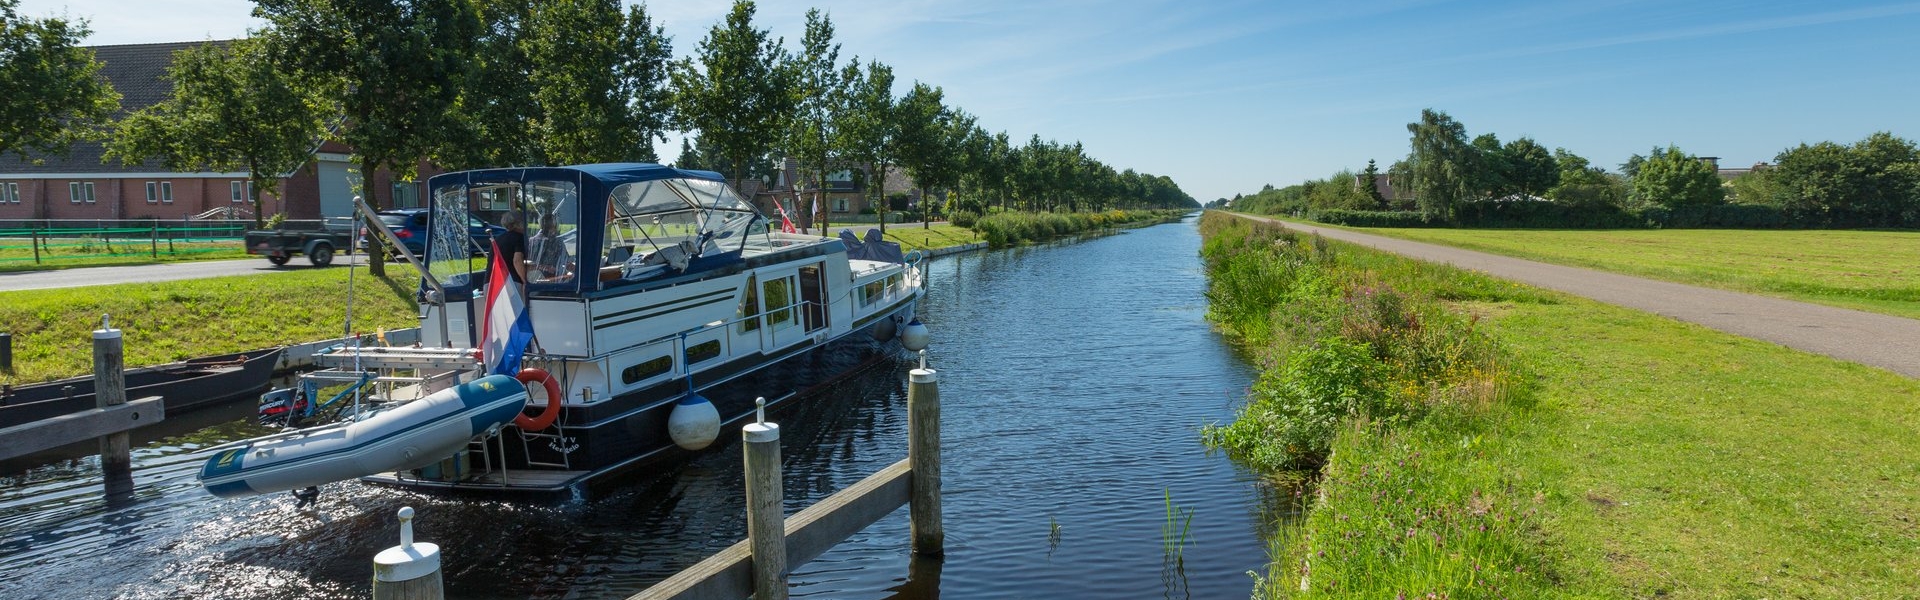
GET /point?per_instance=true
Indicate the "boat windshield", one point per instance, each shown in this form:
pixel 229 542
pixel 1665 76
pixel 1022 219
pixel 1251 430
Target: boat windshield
pixel 687 218
pixel 467 217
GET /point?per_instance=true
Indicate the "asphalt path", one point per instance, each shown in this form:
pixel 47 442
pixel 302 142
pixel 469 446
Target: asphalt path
pixel 1891 343
pixel 175 271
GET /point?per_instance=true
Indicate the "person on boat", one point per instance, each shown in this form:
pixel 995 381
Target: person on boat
pixel 549 252
pixel 513 245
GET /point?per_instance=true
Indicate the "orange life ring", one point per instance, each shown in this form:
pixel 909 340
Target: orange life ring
pixel 547 415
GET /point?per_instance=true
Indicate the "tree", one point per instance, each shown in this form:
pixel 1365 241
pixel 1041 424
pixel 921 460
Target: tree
pixel 231 110
pixel 54 95
pixel 1873 182
pixel 819 92
pixel 921 142
pixel 1442 164
pixel 400 66
pixel 1581 184
pixel 739 96
pixel 866 127
pixel 494 116
pixel 1528 168
pixel 599 81
pixel 1672 178
pixel 1369 179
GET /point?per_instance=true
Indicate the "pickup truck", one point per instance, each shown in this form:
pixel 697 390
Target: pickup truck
pixel 316 239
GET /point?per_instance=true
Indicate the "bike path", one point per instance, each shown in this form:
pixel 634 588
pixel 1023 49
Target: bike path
pixel 1888 342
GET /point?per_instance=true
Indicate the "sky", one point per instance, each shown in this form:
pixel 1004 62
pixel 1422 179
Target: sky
pixel 1228 96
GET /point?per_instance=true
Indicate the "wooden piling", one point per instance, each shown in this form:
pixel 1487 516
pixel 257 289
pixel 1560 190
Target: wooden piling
pixel 35 236
pixel 766 519
pixel 110 390
pixel 408 571
pixel 923 453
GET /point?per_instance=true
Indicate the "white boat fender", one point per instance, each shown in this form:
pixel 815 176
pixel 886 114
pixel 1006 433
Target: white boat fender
pixel 547 415
pixel 408 436
pixel 694 423
pixel 915 336
pixel 886 328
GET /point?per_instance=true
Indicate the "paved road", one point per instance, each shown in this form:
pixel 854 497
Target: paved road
pixel 1891 343
pixel 65 278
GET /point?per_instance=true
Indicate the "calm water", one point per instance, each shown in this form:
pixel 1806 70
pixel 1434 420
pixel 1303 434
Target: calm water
pixel 1074 379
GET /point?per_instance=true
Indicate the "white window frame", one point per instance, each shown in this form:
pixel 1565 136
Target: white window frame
pixel 13 193
pixel 73 192
pixel 841 205
pixel 153 193
pixel 88 186
pixel 166 192
pixel 237 191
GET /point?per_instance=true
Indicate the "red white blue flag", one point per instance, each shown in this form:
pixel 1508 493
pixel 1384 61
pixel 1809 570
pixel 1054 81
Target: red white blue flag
pixel 507 329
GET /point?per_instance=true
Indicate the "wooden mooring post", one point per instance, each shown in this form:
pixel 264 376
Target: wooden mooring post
pixel 109 391
pixel 759 565
pixel 409 571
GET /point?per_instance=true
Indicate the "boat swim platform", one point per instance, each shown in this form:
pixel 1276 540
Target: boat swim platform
pixel 517 480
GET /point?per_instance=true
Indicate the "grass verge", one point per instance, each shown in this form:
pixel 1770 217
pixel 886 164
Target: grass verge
pixel 20 257
pixel 1009 228
pixel 176 320
pixel 1862 270
pixel 1626 455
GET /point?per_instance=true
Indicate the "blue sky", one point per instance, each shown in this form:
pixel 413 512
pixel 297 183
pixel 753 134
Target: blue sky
pixel 1228 96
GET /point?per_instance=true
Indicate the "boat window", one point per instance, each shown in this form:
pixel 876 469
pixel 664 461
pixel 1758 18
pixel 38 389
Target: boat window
pixel 703 351
pixel 646 370
pixel 553 234
pixel 778 295
pixel 450 243
pixel 872 292
pixel 749 306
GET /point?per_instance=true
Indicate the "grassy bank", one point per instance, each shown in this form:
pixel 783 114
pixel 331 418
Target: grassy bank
pixel 1009 228
pixel 1864 270
pixel 18 254
pixel 176 320
pixel 1620 455
pixel 912 236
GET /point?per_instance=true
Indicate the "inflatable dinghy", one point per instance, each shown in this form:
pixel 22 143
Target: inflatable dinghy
pixel 408 436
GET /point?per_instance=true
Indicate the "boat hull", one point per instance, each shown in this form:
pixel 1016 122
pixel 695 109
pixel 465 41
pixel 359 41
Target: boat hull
pixel 628 433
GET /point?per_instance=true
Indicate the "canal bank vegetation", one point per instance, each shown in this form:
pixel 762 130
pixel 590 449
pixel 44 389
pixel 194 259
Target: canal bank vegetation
pixel 1009 228
pixel 1598 452
pixel 1383 401
pixel 176 320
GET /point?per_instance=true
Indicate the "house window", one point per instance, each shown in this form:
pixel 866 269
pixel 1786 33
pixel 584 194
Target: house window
pixel 237 191
pixel 80 192
pixel 153 193
pixel 406 194
pixel 13 193
pixel 166 192
pixel 839 205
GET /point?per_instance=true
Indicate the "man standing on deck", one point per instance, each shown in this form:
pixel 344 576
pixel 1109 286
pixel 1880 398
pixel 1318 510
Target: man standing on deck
pixel 513 245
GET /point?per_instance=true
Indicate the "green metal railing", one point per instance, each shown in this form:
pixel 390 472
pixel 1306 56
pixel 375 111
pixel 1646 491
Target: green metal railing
pixel 50 245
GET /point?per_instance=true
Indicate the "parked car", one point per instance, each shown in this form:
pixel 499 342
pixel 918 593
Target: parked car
pixel 315 239
pixel 410 225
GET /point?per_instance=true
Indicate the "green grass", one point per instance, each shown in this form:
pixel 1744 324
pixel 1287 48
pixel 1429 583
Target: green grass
pixel 911 236
pixel 16 254
pixel 1631 456
pixel 1874 271
pixel 176 320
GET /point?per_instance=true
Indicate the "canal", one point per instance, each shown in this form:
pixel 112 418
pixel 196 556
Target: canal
pixel 1074 379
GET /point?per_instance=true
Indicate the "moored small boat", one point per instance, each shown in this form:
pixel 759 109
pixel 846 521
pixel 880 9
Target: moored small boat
pixel 408 435
pixel 183 386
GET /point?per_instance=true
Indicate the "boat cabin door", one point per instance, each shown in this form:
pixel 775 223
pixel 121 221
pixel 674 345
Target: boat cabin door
pixel 813 295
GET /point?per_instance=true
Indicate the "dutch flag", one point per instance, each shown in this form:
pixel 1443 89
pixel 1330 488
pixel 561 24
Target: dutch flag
pixel 507 328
